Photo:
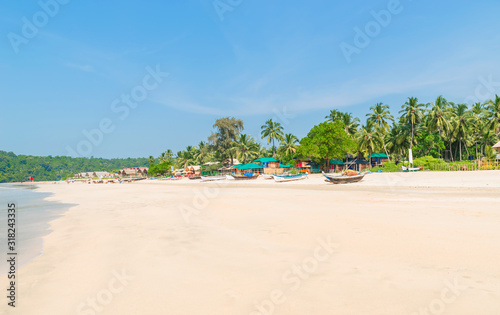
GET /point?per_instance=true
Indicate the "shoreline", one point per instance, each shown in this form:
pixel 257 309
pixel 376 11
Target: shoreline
pixel 239 240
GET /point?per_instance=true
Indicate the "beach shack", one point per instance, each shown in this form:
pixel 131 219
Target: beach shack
pixel 249 168
pixel 376 159
pixel 497 148
pixel 357 164
pixel 307 166
pixel 336 166
pixel 270 165
pixel 194 170
pixel 134 172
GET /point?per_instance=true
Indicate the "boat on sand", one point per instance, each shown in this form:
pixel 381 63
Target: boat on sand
pixel 411 169
pixel 344 179
pixel 212 178
pixel 289 178
pixel 245 177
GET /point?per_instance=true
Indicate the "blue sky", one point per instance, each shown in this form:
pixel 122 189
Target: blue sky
pixel 261 60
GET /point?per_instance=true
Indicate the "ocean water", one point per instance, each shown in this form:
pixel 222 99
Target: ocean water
pixel 33 215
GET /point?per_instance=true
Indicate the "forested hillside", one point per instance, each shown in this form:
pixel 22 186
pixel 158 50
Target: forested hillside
pixel 16 168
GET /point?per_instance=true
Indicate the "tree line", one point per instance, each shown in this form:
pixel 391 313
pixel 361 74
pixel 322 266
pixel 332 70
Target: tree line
pixel 19 168
pixel 441 129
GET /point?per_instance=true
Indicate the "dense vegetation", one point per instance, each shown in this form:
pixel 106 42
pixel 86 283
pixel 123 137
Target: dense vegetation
pixel 437 131
pixel 17 168
pixel 440 129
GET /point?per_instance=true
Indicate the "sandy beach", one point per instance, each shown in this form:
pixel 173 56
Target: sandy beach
pixel 418 243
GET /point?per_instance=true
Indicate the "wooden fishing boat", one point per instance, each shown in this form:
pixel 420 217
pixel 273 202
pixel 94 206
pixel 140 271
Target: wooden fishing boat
pixel 289 178
pixel 411 169
pixel 245 177
pixel 195 177
pixel 268 176
pixel 343 179
pixel 212 178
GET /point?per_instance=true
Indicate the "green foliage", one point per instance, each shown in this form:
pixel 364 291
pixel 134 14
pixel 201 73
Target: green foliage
pixel 163 168
pixel 388 167
pixel 213 167
pixel 326 141
pixel 429 144
pixel 428 162
pixel 17 168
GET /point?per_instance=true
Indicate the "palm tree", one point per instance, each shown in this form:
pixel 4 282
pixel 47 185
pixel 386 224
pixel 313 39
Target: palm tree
pixel 462 122
pixel 246 148
pixel 367 139
pixel 493 107
pixel 334 116
pixel 163 157
pixel 412 112
pixel 151 160
pixel 289 144
pixel 478 114
pixel 438 117
pixel 273 131
pixel 350 124
pixel 381 117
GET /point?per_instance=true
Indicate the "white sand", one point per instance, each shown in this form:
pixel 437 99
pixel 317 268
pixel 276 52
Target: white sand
pixel 393 244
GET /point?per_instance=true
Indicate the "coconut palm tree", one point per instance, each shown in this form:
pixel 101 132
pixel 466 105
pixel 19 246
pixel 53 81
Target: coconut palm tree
pixel 350 124
pixel 273 131
pixel 367 138
pixel 334 116
pixel 412 111
pixel 462 121
pixel 246 148
pixel 438 116
pixel 381 117
pixel 493 107
pixel 151 160
pixel 289 144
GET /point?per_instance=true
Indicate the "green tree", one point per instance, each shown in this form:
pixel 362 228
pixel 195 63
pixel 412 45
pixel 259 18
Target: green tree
pixel 412 112
pixel 326 141
pixel 367 139
pixel 289 145
pixel 351 124
pixel 493 107
pixel 227 131
pixel 380 117
pixel 333 116
pixel 246 148
pixel 272 131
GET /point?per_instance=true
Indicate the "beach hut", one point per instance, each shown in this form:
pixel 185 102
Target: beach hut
pixel 134 172
pixel 336 166
pixel 270 165
pixel 376 159
pixel 497 147
pixel 249 168
pixel 357 164
pixel 194 170
pixel 268 162
pixel 308 166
